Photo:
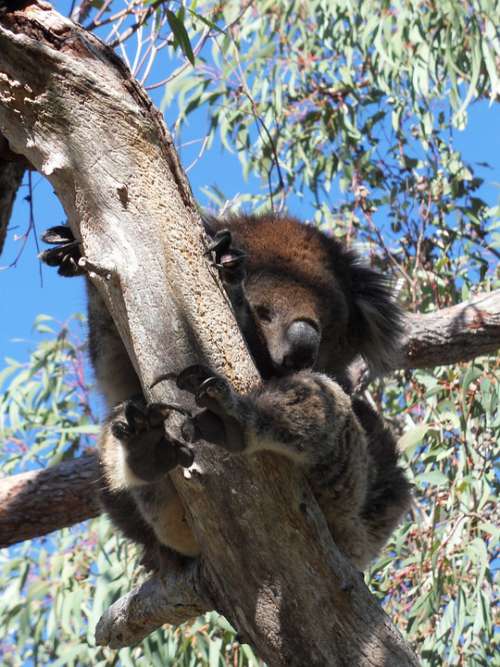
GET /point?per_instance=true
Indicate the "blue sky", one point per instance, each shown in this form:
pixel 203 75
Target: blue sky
pixel 23 296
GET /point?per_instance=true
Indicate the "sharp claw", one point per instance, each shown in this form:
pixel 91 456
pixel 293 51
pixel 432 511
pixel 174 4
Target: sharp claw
pixel 222 241
pixel 192 377
pixel 58 234
pixel 204 389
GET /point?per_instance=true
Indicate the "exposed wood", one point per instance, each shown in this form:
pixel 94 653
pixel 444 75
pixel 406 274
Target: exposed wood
pixel 175 598
pixel 454 334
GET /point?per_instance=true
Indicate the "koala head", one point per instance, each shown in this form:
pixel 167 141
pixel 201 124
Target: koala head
pixel 315 303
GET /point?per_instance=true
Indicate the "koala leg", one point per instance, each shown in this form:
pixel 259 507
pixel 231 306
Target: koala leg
pixel 304 416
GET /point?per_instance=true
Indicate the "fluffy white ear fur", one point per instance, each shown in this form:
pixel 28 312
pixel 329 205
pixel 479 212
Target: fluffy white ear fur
pixel 378 316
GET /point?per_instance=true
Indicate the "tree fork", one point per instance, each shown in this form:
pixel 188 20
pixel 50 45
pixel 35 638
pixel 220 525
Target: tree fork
pixel 69 105
pixel 447 336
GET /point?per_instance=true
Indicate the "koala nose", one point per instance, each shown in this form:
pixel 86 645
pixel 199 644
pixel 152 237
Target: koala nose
pixel 303 339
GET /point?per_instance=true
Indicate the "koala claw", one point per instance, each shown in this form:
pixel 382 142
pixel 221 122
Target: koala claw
pixel 230 261
pixel 214 388
pixel 216 423
pixel 139 427
pixel 66 254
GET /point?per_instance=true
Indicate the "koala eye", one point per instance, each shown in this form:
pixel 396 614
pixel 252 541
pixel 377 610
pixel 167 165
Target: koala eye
pixel 263 313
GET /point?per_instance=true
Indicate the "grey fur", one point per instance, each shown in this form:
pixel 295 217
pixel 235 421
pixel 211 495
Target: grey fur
pixel 306 306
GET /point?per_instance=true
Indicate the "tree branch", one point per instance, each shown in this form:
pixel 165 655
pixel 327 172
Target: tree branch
pixel 447 336
pixel 178 596
pixel 38 502
pixel 269 563
pixel 454 334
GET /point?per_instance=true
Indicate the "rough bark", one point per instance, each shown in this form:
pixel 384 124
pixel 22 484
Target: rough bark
pixel 454 334
pixel 70 107
pixel 174 598
pixel 38 502
pixel 11 176
pixel 447 336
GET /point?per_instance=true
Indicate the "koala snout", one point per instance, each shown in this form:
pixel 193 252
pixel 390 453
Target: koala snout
pixel 303 339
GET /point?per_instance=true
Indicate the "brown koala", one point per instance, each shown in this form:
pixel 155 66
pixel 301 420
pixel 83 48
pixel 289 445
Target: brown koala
pixel 306 306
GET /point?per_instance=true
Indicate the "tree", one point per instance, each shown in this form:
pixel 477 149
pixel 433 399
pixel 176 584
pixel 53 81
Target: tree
pixel 360 202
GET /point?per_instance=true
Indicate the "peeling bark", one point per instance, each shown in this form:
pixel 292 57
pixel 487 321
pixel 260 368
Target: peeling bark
pixel 68 104
pixel 454 334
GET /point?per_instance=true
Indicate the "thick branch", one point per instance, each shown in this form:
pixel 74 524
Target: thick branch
pixel 454 334
pixel 38 502
pixel 175 598
pixel 269 562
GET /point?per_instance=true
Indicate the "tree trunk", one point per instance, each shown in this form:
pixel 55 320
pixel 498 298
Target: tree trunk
pixel 11 176
pixel 268 562
pixel 447 336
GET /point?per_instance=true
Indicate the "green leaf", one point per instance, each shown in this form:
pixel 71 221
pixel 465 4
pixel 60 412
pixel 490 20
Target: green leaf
pixel 180 34
pixel 412 437
pixel 206 21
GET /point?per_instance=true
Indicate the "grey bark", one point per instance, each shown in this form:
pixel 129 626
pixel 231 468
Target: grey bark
pixel 447 336
pixel 38 502
pixel 269 564
pixel 454 334
pixel 11 176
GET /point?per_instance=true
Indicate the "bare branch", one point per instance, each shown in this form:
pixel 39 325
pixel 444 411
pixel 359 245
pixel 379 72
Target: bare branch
pixel 454 334
pixel 447 336
pixel 38 502
pixel 175 598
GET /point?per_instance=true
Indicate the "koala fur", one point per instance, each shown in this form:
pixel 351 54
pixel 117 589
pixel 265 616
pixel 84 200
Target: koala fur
pixel 307 306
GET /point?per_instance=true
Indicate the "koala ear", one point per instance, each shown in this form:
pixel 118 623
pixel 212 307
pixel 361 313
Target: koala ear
pixel 377 318
pixel 210 224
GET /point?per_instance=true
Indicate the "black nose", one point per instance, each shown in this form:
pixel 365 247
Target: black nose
pixel 303 339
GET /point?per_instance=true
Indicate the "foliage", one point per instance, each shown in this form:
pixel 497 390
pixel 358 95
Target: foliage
pixel 352 108
pixel 354 105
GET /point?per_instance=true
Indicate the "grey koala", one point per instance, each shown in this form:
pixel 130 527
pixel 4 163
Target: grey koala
pixel 307 306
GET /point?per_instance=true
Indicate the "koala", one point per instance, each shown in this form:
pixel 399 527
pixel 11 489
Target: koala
pixel 306 306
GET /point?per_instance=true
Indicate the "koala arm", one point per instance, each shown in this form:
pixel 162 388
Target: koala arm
pixel 305 417
pixel 351 466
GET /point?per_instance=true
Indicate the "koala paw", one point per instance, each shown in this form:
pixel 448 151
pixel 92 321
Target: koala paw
pixel 66 253
pixel 219 422
pixel 228 260
pixel 210 390
pixel 139 428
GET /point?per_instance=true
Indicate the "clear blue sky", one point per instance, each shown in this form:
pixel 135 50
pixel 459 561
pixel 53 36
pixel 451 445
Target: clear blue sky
pixel 22 296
